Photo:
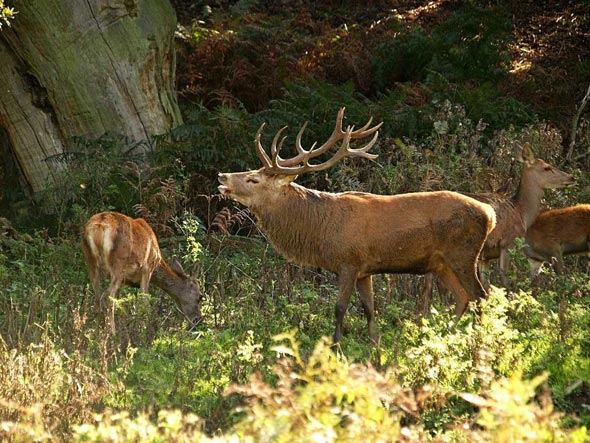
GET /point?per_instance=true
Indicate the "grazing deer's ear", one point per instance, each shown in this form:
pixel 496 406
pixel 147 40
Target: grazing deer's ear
pixel 196 267
pixel 526 154
pixel 176 266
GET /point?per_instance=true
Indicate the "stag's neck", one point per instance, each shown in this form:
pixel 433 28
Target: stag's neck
pixel 299 226
pixel 528 200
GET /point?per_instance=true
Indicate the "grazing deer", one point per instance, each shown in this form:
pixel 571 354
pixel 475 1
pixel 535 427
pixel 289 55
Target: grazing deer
pixel 127 251
pixel 514 214
pixel 356 234
pixel 556 233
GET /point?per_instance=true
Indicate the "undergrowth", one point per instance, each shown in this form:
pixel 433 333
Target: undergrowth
pixel 517 371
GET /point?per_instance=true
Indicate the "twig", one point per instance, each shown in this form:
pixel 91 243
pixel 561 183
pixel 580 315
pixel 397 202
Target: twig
pixel 575 120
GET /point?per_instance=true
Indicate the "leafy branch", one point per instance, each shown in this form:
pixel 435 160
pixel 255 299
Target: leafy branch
pixel 6 14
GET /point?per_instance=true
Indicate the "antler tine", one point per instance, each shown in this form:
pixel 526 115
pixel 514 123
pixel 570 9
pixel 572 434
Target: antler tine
pixel 298 140
pixel 300 163
pixel 364 132
pixel 337 134
pixel 262 155
pixel 362 152
pixel 302 155
pixel 343 151
pixel 274 151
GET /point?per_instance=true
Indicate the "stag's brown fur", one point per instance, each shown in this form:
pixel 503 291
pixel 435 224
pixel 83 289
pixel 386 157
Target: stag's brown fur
pixel 557 233
pixel 357 234
pixel 127 251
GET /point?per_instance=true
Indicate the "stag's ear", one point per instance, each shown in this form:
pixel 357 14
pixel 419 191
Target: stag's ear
pixel 526 154
pixel 176 266
pixel 284 180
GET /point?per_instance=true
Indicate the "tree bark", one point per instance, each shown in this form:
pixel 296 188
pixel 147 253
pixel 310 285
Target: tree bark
pixel 82 68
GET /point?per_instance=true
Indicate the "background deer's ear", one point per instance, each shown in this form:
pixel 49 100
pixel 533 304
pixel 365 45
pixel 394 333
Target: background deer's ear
pixel 525 153
pixel 195 270
pixel 176 266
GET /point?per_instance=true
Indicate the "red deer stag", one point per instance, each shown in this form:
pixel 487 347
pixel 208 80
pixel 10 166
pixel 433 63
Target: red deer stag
pixel 127 251
pixel 514 214
pixel 356 234
pixel 556 233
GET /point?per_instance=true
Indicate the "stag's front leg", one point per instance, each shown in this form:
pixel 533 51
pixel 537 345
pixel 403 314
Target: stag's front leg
pixel 346 281
pixel 365 288
pixel 483 269
pixel 426 296
pixel 504 267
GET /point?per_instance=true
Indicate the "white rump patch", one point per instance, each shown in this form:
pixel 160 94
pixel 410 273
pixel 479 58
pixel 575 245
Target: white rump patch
pixel 107 244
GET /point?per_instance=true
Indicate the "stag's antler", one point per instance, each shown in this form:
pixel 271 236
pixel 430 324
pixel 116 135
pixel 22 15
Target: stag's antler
pixel 300 163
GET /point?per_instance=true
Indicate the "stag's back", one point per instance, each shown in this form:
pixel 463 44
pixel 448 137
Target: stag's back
pixel 412 232
pixel 374 233
pixel 115 244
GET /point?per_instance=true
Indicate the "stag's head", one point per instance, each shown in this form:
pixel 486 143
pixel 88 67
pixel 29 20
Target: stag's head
pixel 259 186
pixel 541 173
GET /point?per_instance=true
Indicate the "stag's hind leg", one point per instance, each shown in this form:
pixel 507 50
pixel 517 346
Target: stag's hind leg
pixel 464 283
pixel 365 288
pixel 346 282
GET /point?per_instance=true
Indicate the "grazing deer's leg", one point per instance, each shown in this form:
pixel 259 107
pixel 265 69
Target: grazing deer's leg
pixel 365 288
pixel 93 270
pixel 111 292
pixel 145 281
pixel 346 281
pixel 94 276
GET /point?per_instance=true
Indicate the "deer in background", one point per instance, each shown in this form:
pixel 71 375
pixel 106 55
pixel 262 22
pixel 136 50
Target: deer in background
pixel 127 251
pixel 514 215
pixel 556 233
pixel 356 234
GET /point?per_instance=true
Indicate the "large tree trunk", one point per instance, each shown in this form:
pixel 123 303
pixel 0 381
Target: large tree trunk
pixel 73 68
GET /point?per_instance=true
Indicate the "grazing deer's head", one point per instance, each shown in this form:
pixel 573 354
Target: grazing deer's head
pixel 127 251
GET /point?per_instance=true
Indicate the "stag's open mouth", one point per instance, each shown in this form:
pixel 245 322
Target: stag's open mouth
pixel 223 189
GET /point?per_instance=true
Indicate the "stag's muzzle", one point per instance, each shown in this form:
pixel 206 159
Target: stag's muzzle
pixel 222 178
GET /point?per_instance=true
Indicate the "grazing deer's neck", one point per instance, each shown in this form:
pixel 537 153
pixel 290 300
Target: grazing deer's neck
pixel 528 199
pixel 166 279
pixel 300 225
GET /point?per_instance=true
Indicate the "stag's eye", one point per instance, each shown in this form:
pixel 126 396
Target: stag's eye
pixel 252 180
